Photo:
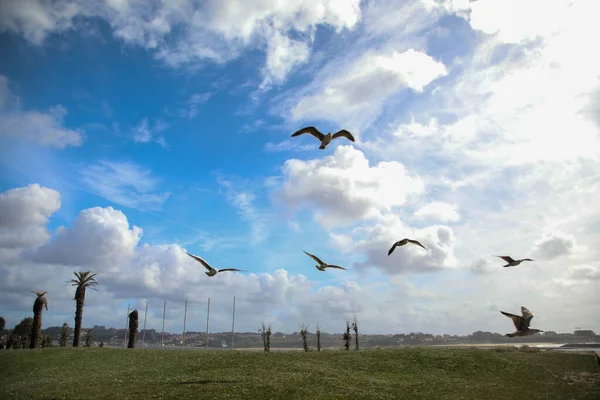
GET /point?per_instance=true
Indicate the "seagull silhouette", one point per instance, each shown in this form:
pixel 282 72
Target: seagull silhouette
pixel 325 139
pixel 322 265
pixel 402 243
pixel 211 271
pixel 511 262
pixel 521 323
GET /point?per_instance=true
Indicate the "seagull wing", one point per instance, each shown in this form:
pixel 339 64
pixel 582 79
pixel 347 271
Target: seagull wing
pixel 343 133
pixel 309 129
pixel 336 266
pixel 201 261
pixel 508 259
pixel 392 248
pixel 517 320
pixel 229 269
pixel 314 258
pixel 416 242
pixel 527 315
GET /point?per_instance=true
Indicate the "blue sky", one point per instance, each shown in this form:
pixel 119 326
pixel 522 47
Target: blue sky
pixel 131 132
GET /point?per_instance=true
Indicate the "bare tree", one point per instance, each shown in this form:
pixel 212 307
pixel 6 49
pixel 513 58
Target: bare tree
pixel 64 335
pixel 88 338
pixel 133 328
pixel 355 329
pixel 347 336
pixel 304 334
pixel 265 333
pixel 318 332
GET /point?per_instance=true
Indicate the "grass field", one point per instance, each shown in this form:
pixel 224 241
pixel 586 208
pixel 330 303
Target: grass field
pixel 410 373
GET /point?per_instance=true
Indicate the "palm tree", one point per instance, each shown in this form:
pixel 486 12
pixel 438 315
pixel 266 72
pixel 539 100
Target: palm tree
pixel 64 335
pixel 83 281
pixel 38 306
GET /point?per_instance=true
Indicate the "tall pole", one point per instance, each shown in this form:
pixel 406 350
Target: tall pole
pixel 233 324
pixel 162 337
pixel 144 333
pixel 184 319
pixel 206 334
pixel 126 326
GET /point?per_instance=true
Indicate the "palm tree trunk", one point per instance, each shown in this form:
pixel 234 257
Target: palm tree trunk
pixel 133 328
pixel 36 329
pixel 80 299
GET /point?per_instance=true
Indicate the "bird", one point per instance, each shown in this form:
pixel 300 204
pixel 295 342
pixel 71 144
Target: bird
pixel 521 323
pixel 211 271
pixel 511 262
pixel 402 243
pixel 322 265
pixel 325 139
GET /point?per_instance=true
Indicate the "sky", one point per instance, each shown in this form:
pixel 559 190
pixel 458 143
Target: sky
pixel 133 131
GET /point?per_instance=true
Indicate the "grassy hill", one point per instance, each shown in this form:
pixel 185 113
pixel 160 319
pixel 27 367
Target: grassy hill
pixel 409 373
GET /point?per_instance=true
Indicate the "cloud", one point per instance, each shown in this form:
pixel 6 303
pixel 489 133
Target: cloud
pixel 24 214
pixel 581 273
pixel 354 96
pixel 552 245
pixel 186 34
pixel 438 211
pixel 288 145
pixel 374 240
pixel 192 104
pixel 45 129
pixel 36 19
pixel 483 265
pixel 528 23
pixel 102 240
pixel 124 183
pixel 142 133
pixel 344 188
pixel 283 54
pixel 244 200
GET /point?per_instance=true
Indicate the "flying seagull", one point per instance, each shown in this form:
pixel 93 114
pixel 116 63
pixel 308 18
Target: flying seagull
pixel 211 271
pixel 513 263
pixel 521 323
pixel 322 265
pixel 402 243
pixel 325 139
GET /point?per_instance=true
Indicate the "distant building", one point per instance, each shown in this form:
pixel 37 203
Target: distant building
pixel 584 332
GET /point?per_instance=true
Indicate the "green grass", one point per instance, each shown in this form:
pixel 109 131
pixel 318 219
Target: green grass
pixel 410 373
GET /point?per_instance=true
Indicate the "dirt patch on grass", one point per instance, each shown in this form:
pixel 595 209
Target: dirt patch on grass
pixel 582 378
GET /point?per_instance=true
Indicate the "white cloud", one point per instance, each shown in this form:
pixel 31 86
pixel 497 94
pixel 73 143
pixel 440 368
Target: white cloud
pixel 24 214
pixel 581 273
pixel 187 33
pixel 438 211
pixel 514 21
pixel 124 183
pixel 244 200
pixel 36 19
pixel 344 188
pixel 45 129
pixel 283 54
pixel 376 239
pixel 194 102
pixel 142 133
pixel 553 244
pixel 288 145
pixel 101 240
pixel 354 95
